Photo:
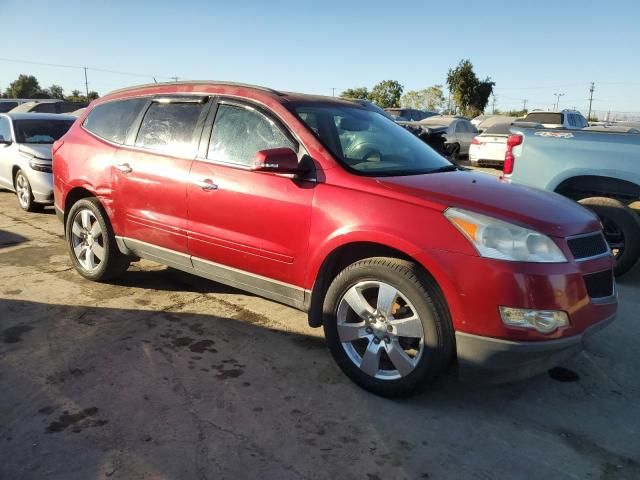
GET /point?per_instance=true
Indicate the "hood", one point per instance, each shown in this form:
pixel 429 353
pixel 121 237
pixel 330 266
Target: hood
pixel 540 210
pixel 36 150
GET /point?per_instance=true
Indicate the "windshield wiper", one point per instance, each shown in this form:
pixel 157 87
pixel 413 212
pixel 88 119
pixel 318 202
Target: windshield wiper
pixel 445 168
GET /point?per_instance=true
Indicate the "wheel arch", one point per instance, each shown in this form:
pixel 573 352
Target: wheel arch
pixel 74 195
pixel 582 186
pixel 343 255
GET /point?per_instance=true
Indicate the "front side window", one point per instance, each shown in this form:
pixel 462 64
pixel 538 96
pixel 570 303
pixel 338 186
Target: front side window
pixel 367 143
pixel 40 131
pixel 112 120
pixel 5 129
pixel 239 132
pixel 170 127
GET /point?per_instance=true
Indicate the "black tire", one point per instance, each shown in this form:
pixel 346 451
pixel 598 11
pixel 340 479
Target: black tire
pixel 621 229
pixel 24 193
pixel 113 262
pixel 424 294
pixel 453 152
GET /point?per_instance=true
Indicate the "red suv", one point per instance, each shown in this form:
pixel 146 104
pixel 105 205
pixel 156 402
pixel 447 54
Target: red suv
pixel 408 262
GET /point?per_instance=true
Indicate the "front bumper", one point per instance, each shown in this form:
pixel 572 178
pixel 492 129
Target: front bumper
pixel 41 186
pixel 497 360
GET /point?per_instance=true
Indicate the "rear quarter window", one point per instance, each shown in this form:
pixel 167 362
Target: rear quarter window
pixel 112 120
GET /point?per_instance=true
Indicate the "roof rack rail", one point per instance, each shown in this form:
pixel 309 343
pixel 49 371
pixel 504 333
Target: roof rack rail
pixel 198 82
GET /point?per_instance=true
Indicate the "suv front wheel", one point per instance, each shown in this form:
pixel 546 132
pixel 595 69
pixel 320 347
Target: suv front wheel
pixel 387 326
pixel 91 242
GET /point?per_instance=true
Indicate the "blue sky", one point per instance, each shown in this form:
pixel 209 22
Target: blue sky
pixel 531 49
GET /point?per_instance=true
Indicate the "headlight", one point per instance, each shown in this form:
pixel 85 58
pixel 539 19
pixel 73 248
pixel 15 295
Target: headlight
pixel 494 238
pixel 544 321
pixel 40 164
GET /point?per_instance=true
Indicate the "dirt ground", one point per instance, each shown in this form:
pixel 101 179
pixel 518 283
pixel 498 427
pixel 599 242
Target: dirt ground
pixel 161 375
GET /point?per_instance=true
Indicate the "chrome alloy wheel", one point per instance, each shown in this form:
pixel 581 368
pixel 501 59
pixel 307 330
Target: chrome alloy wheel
pixel 23 191
pixel 87 240
pixel 380 330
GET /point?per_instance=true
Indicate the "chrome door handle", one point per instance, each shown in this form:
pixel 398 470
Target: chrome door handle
pixel 207 185
pixel 124 167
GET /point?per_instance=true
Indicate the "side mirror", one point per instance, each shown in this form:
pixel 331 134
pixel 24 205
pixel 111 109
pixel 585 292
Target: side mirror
pixel 276 160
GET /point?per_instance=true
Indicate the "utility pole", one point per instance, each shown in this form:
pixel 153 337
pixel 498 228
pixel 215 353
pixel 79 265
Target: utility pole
pixel 493 105
pixel 333 89
pixel 524 105
pixel 86 83
pixel 591 89
pixel 558 95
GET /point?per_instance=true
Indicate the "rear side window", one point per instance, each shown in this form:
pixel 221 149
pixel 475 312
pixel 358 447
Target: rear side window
pixel 240 132
pixel 112 120
pixel 170 127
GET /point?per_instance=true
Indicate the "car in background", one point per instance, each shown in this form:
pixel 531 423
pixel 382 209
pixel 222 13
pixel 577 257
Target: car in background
pixel 7 104
pixel 409 114
pixel 47 105
pixel 569 119
pixel 78 112
pixel 458 133
pixel 488 148
pixel 491 120
pixel 25 155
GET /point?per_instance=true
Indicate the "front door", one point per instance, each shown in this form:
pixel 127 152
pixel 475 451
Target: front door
pixel 249 227
pixel 150 178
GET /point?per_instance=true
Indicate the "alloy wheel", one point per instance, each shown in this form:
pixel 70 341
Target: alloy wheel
pixel 380 330
pixel 88 240
pixel 23 191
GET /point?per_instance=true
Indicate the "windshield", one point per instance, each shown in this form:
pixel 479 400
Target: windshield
pixel 369 144
pixel 40 131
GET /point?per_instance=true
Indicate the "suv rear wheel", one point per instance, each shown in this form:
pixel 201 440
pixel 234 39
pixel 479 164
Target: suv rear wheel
pixel 91 242
pixel 387 326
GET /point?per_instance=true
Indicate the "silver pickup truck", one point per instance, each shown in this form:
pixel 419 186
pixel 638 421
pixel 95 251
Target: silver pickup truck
pixel 601 170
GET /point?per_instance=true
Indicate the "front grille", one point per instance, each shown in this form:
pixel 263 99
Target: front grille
pixel 600 284
pixel 587 246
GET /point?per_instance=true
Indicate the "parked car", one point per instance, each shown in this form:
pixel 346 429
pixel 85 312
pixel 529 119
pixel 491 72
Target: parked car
pixel 7 104
pixel 569 119
pixel 600 170
pixel 492 120
pixel 25 155
pixel 409 114
pixel 488 148
pixel 408 262
pixel 459 132
pixel 47 106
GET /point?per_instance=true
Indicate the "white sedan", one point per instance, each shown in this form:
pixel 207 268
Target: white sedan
pixel 488 148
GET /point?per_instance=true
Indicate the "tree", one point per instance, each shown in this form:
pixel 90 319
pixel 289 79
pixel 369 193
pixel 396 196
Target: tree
pixel 387 94
pixel 26 86
pixel 93 95
pixel 358 93
pixel 56 91
pixel 427 99
pixel 469 93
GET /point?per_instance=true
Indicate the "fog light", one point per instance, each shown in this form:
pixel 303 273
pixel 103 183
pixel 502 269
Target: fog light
pixel 544 321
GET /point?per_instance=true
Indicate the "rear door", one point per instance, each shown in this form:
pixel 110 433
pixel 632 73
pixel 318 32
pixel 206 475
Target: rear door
pixel 151 174
pixel 6 154
pixel 249 227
